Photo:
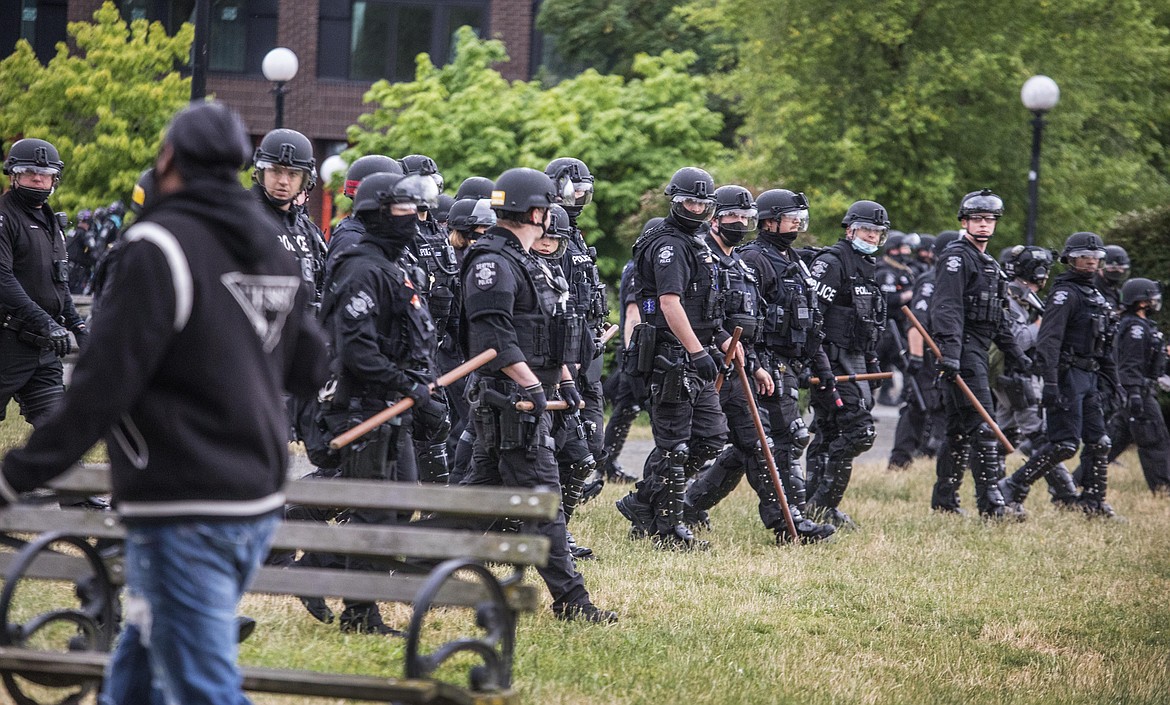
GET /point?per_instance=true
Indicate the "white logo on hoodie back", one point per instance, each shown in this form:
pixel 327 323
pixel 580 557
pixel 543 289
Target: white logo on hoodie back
pixel 266 300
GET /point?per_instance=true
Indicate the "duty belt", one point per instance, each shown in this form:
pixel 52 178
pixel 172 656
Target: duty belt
pixel 1081 362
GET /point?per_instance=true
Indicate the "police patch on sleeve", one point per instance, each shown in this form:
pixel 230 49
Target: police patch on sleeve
pixel 485 275
pixel 1137 332
pixel 360 305
pixel 665 255
pixel 819 268
pixel 1059 298
pixel 954 262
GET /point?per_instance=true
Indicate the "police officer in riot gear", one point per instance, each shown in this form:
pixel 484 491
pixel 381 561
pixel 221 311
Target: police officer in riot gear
pixel 383 341
pixel 1018 411
pixel 919 431
pixel 1114 271
pixel 574 458
pixel 967 315
pixel 587 295
pixel 1073 352
pixel 788 346
pixel 469 218
pixel 284 169
pixel 674 347
pixel 441 291
pixel 350 229
pixel 511 307
pixel 895 278
pixel 36 308
pixel 854 311
pixel 735 217
pixel 1140 348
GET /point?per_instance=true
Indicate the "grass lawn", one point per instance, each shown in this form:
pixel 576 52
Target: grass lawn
pixel 910 608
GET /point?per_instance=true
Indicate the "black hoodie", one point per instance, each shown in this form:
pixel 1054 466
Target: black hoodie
pixel 201 328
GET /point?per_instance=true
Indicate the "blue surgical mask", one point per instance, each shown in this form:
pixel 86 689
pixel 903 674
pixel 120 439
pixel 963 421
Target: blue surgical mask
pixel 863 247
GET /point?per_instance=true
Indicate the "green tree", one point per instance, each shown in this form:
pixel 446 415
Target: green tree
pixel 632 133
pixel 914 103
pixel 606 35
pixel 105 107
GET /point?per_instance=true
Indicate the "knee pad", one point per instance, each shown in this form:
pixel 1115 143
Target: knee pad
pixel 35 406
pixel 706 449
pixel 1064 450
pixel 985 433
pixel 799 434
pixel 862 440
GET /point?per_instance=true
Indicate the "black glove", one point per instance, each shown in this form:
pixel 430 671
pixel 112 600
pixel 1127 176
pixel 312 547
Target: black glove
pixel 704 365
pixel 802 379
pixel 535 395
pixel 571 394
pixel 913 364
pixel 1023 364
pixel 948 368
pixel 826 381
pixel 59 339
pixel 872 366
pixel 420 392
pixel 1136 406
pixel 1050 397
pixel 81 334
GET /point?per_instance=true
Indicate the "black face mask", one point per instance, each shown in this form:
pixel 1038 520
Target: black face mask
pixel 782 239
pixel 394 230
pixel 731 237
pixel 32 198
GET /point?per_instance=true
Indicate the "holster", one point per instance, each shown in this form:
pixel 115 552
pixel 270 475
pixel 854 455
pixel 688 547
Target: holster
pixel 514 429
pixel 1019 390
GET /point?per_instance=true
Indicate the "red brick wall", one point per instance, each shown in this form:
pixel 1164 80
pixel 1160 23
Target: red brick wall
pixel 511 22
pixel 82 10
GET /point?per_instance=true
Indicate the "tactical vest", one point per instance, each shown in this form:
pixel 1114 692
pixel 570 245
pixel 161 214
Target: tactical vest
pixel 984 305
pixel 438 258
pixel 1089 333
pixel 536 330
pixel 586 293
pixel 701 300
pixel 569 330
pixel 1154 354
pixel 742 305
pixel 791 317
pixel 855 328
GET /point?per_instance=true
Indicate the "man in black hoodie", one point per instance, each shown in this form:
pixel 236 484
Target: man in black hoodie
pixel 201 328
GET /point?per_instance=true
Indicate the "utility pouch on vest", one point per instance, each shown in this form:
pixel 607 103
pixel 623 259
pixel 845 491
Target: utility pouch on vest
pixel 1019 391
pixel 643 342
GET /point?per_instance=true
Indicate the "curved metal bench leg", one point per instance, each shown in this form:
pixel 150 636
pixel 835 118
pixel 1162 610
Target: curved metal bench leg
pixel 95 624
pixel 494 616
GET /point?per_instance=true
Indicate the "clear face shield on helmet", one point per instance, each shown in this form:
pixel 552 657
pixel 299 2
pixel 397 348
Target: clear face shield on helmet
pixel 697 210
pixel 799 217
pixel 738 220
pixel 867 237
pixel 483 214
pixel 1086 260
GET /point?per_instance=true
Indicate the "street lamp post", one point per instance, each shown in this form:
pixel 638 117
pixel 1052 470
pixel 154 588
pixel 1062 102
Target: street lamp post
pixel 280 66
pixel 1039 94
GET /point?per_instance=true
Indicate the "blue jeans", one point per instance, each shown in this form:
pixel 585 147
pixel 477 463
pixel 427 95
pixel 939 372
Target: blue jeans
pixel 183 583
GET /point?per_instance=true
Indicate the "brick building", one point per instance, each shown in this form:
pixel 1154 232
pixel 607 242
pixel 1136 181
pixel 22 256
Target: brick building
pixel 342 45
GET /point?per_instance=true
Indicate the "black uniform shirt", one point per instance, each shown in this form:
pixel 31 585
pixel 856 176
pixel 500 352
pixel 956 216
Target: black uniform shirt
pixel 1067 324
pixel 33 283
pixel 960 275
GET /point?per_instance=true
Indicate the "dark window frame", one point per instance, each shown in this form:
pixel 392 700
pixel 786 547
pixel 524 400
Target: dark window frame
pixel 335 29
pixel 260 19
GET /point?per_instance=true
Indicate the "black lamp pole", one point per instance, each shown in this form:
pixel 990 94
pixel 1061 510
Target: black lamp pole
pixel 1034 176
pixel 199 50
pixel 279 90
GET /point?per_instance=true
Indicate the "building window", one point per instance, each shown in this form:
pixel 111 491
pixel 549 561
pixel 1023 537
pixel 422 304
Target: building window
pixel 41 23
pixel 365 40
pixel 241 31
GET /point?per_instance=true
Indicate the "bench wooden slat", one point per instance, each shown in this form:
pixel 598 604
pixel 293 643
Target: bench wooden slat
pixel 91 665
pixel 328 582
pixel 457 501
pixel 360 539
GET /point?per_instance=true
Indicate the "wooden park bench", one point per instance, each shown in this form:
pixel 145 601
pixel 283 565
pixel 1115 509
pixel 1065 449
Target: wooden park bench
pixel 47 542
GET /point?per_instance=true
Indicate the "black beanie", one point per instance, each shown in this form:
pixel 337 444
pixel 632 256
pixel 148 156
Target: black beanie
pixel 209 138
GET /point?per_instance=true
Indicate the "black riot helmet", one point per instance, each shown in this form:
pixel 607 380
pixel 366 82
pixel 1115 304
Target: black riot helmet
pixel 34 155
pixel 364 166
pixel 895 239
pixel 869 215
pixel 943 239
pixel 521 189
pixel 1083 244
pixel 443 208
pixel 145 192
pixel 386 189
pixel 1137 290
pixel 733 200
pixel 422 165
pixel 466 215
pixel 1116 267
pixel 925 243
pixel 981 201
pixel 1029 262
pixel 570 171
pixel 778 202
pixel 474 188
pixel 693 187
pixel 289 149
